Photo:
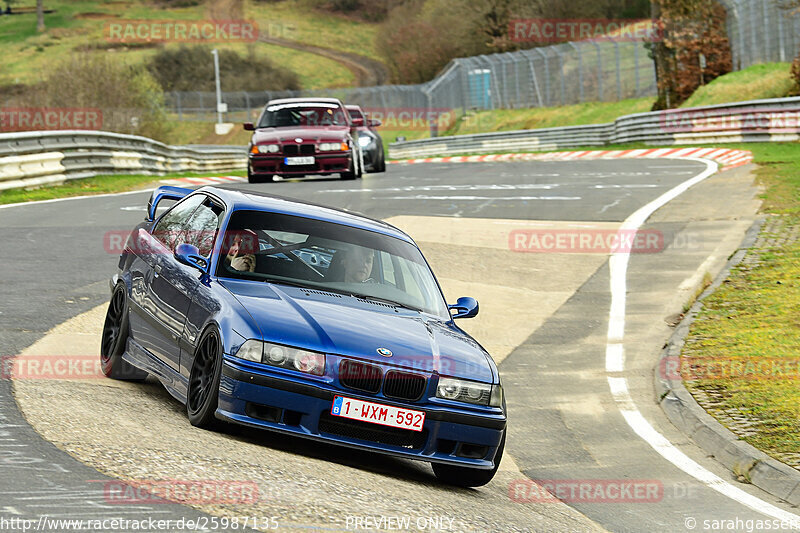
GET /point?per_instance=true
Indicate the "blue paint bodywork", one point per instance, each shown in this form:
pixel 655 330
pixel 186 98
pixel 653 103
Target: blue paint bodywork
pixel 172 302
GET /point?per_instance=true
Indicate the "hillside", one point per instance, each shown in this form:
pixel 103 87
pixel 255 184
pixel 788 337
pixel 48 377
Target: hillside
pixel 80 25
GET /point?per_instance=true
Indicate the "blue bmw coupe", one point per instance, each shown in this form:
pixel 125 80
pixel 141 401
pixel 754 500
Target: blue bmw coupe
pixel 305 320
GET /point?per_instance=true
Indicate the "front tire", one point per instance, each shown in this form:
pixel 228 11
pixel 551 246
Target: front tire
pixel 465 477
pixel 115 339
pixel 203 391
pixel 381 166
pixel 350 174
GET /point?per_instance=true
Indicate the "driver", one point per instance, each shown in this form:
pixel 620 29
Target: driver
pixel 240 254
pixel 358 264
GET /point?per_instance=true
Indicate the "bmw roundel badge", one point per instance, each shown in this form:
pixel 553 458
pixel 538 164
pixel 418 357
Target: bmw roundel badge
pixel 385 352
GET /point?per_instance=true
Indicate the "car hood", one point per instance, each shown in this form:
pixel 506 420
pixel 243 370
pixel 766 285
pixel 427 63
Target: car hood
pixel 315 134
pixel 343 325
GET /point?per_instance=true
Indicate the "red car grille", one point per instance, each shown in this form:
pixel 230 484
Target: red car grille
pixel 299 149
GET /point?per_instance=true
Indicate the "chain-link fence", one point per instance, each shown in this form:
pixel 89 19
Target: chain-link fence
pixel 569 73
pixel 563 74
pixel 762 31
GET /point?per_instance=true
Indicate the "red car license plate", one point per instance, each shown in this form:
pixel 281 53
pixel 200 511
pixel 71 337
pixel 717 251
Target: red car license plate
pixel 378 413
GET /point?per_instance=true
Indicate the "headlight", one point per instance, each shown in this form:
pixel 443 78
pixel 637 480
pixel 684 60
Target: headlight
pixel 283 356
pixel 364 140
pixel 470 392
pixel 333 147
pixel 268 148
pixel 251 350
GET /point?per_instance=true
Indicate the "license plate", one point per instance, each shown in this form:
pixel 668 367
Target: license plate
pixel 299 160
pixel 377 413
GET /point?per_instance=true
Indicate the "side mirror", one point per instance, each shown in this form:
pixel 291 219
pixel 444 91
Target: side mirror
pixel 465 307
pixel 249 126
pixel 374 122
pixel 188 254
pixel 357 122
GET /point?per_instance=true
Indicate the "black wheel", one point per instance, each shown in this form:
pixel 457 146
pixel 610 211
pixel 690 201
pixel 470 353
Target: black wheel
pixel 203 393
pixel 251 178
pixel 115 338
pixel 381 165
pixel 350 174
pixel 462 476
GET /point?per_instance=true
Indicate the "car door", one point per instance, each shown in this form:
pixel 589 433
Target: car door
pixel 160 307
pixel 201 231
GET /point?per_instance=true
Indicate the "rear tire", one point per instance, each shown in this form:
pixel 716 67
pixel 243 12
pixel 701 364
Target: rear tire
pixel 202 395
pixel 465 477
pixel 115 339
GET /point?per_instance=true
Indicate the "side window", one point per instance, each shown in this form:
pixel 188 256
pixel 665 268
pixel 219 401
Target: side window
pixel 202 226
pixel 170 228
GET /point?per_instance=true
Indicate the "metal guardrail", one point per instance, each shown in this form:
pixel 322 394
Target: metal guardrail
pixel 32 159
pixel 753 121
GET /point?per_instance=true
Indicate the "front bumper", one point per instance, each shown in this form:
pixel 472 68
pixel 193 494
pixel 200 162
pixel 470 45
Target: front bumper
pixel 282 403
pixel 269 165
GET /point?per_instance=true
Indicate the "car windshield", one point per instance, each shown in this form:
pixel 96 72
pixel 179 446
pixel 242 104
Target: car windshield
pixel 355 113
pixel 302 114
pixel 315 254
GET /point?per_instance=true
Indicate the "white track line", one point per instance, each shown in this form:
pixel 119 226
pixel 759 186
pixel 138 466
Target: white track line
pixel 70 198
pixel 615 362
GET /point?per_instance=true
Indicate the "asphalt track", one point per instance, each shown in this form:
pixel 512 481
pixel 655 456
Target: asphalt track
pixel 564 423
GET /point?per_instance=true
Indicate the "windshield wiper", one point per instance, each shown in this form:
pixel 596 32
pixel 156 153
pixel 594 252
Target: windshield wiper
pixel 384 301
pixel 281 281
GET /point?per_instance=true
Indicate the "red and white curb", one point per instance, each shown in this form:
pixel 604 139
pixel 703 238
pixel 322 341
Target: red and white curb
pixel 727 158
pixel 212 180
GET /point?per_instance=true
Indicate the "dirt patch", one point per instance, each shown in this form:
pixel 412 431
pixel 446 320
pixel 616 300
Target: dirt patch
pixel 93 15
pixel 92 47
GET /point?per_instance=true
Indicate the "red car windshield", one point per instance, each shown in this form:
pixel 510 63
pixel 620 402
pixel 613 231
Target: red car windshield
pixel 302 114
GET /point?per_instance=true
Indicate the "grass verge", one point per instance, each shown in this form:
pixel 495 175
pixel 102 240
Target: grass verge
pixel 750 324
pixel 768 80
pixel 96 185
pixel 547 117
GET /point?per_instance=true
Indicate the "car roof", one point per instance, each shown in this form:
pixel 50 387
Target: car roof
pixel 305 100
pixel 258 201
pixel 353 106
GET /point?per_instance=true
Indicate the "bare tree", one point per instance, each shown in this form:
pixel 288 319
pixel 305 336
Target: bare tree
pixel 40 16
